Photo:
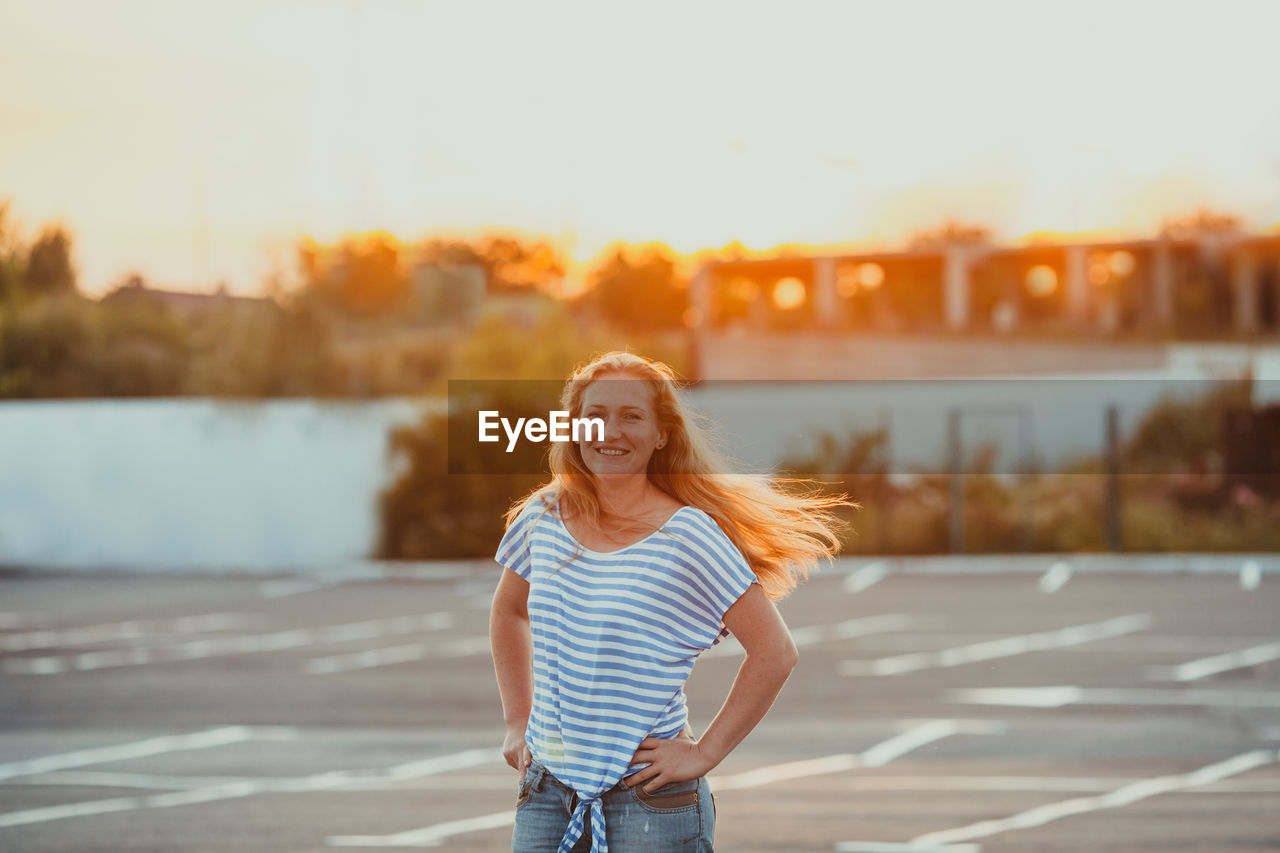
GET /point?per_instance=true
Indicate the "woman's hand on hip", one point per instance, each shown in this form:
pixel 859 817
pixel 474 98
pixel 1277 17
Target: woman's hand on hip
pixel 515 750
pixel 673 760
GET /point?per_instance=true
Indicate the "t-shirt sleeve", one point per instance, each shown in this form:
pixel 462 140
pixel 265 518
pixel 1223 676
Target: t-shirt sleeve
pixel 515 549
pixel 720 575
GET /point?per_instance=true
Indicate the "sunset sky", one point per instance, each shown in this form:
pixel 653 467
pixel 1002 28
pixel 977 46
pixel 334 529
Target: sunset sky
pixel 196 142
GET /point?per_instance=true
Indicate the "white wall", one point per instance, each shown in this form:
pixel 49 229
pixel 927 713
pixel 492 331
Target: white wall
pixel 193 483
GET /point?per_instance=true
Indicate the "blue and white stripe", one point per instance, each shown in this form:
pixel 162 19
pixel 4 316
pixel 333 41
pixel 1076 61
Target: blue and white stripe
pixel 615 636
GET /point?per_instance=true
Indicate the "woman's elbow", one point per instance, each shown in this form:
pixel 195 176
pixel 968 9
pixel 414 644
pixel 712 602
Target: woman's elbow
pixel 790 655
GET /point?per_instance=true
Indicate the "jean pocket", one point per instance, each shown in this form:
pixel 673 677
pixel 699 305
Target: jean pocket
pixel 673 796
pixel 524 789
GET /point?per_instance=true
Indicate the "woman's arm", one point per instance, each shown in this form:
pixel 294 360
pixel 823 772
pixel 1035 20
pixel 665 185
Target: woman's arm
pixel 771 656
pixel 512 646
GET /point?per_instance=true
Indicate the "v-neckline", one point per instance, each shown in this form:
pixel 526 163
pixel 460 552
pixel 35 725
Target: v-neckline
pixel 641 541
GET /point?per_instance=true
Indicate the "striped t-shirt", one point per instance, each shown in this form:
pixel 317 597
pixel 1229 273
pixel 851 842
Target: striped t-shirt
pixel 615 636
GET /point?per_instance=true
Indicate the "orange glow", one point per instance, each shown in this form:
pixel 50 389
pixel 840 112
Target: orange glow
pixel 1122 263
pixel 1099 269
pixel 1042 280
pixel 847 280
pixel 870 276
pixel 789 293
pixel 1062 238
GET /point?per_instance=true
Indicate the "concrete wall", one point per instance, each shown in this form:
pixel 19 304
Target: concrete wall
pixel 192 483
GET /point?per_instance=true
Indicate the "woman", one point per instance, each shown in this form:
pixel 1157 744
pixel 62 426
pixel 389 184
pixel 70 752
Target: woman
pixel 639 555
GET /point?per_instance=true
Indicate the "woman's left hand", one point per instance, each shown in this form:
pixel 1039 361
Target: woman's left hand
pixel 670 760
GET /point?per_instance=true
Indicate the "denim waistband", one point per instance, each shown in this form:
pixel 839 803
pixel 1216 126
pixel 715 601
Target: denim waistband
pixel 541 776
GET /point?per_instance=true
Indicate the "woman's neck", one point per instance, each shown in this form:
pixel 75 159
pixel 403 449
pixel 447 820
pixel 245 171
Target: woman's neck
pixel 625 497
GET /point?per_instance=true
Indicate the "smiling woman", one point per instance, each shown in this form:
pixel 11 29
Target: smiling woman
pixel 641 553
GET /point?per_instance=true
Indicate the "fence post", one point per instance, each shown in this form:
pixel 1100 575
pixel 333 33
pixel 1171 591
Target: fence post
pixel 955 452
pixel 1112 509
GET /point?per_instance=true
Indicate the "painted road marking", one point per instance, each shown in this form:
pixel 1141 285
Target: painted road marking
pixel 1004 647
pixel 1130 644
pixel 222 646
pixel 847 630
pixel 908 847
pixel 1055 578
pixel 429 836
pixel 93 634
pixel 1122 796
pixel 328 781
pixel 866 577
pixel 1203 668
pixel 14 619
pixel 387 656
pixel 1058 697
pixel 877 756
pixel 138 749
pixel 493 782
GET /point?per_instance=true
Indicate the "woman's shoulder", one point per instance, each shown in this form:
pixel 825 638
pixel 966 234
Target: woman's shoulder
pixel 699 520
pixel 535 507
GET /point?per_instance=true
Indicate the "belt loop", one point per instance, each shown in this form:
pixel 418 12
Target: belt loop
pixel 539 770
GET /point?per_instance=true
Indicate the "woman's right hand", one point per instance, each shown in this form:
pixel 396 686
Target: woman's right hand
pixel 515 750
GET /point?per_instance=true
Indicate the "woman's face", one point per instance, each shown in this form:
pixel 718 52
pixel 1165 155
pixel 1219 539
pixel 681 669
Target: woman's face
pixel 631 432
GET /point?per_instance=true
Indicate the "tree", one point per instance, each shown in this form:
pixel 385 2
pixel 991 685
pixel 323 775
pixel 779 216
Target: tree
pixel 11 257
pixel 49 270
pixel 510 265
pixel 639 294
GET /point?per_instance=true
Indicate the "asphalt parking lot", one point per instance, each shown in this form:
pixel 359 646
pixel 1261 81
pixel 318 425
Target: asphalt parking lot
pixel 1020 705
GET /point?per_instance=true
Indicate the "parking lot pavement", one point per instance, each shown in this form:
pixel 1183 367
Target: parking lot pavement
pixel 937 706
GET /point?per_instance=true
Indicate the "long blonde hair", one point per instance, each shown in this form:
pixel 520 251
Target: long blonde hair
pixel 781 534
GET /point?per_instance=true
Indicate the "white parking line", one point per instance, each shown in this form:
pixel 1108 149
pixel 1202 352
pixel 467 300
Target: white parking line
pixel 908 847
pixel 1055 578
pixel 1004 647
pixel 1203 668
pixel 389 655
pixel 91 635
pixel 430 836
pixel 866 577
pixel 12 619
pixel 1057 697
pixel 138 749
pixel 847 630
pixel 494 782
pixel 1122 796
pixel 1130 644
pixel 340 779
pixel 877 756
pixel 222 646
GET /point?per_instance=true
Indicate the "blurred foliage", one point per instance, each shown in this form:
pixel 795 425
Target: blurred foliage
pixel 359 277
pixel 510 265
pixel 1184 507
pixel 442 503
pixel 69 346
pixel 263 350
pixel 48 270
pixel 1184 434
pixel 639 291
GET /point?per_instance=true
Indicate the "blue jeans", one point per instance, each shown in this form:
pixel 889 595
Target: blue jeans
pixel 679 817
